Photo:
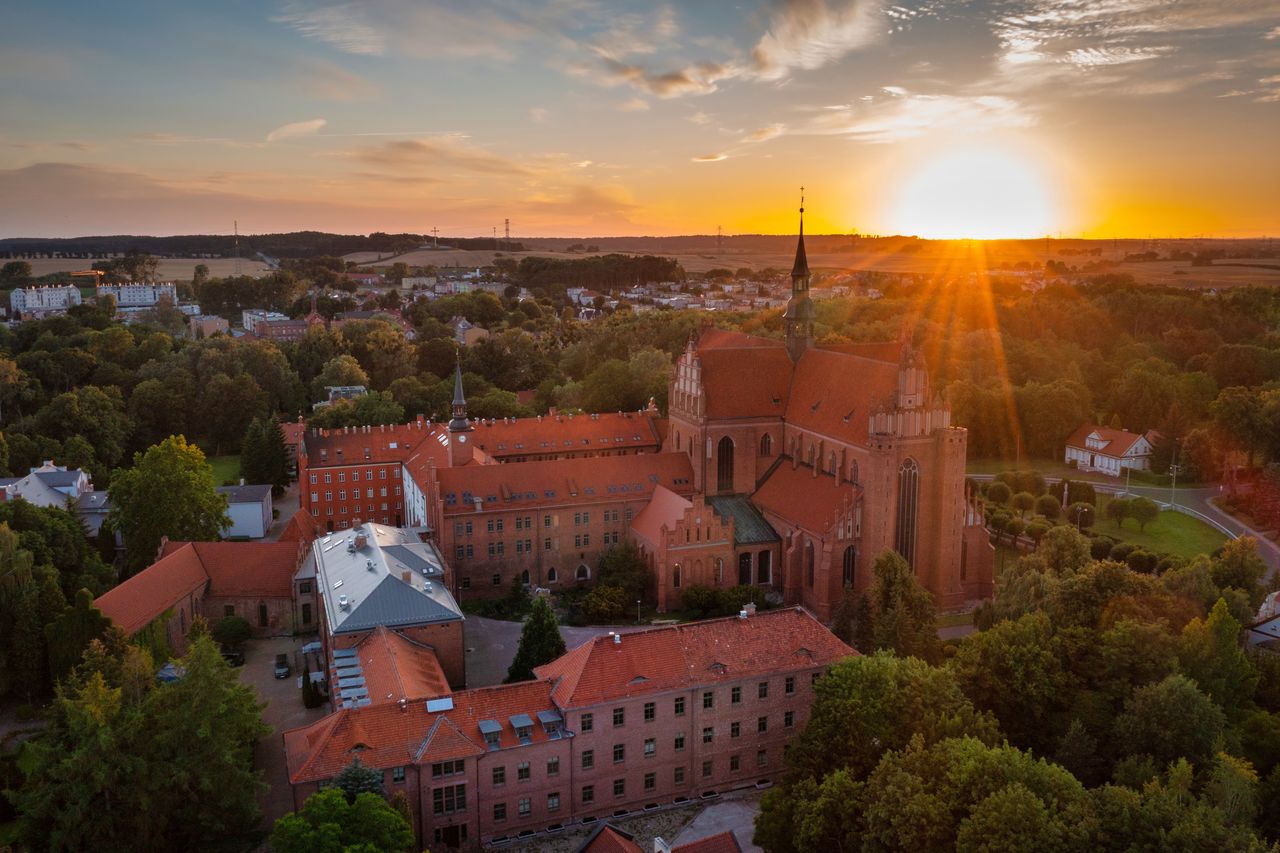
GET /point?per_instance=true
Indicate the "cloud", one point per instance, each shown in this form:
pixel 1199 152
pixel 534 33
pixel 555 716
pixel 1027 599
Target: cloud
pixel 879 119
pixel 1094 56
pixel 439 154
pixel 635 105
pixel 1274 33
pixel 341 25
pixel 711 158
pixel 323 79
pixel 764 134
pixel 700 118
pixel 294 129
pixel 697 79
pixel 808 34
pixel 539 114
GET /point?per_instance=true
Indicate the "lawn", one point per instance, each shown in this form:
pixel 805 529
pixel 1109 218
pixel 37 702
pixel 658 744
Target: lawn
pixel 226 469
pixel 1171 533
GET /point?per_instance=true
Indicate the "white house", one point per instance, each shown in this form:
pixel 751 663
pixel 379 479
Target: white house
pixel 48 486
pixel 250 511
pixel 38 301
pixel 138 295
pixel 1109 451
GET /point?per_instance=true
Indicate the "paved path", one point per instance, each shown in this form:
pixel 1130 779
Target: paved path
pixel 285 507
pixel 492 643
pixel 737 813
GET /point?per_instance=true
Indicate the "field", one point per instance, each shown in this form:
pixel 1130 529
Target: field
pixel 171 269
pixel 1171 533
pixel 226 469
pixel 1223 274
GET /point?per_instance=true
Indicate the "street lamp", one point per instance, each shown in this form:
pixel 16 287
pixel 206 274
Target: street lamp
pixel 1173 469
pixel 637 611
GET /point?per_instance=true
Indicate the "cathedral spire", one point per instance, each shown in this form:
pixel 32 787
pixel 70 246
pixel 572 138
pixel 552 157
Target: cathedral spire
pixel 459 423
pixel 800 312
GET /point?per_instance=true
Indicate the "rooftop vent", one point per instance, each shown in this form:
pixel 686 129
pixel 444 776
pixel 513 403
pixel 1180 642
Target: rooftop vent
pixel 344 602
pixel 617 638
pixel 368 564
pixel 360 541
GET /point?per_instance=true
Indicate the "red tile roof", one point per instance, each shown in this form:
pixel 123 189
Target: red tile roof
pixel 293 432
pixel 690 655
pixel 393 737
pixel 142 598
pixel 743 376
pixel 1118 441
pixel 608 839
pixel 301 527
pixel 396 668
pixel 665 507
pixel 565 433
pixel 802 499
pixel 833 393
pixel 725 842
pixel 370 444
pixel 516 485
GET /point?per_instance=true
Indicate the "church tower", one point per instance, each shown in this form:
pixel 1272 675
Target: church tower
pixel 800 311
pixel 459 426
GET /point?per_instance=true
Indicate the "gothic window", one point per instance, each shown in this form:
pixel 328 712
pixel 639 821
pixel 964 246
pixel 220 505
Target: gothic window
pixel 524 577
pixel 678 441
pixel 584 573
pixel 766 445
pixel 853 471
pixel 831 463
pixel 744 568
pixel 850 557
pixel 812 451
pixel 719 571
pixel 724 465
pixel 675 576
pixel 908 500
pixel 763 567
pixel 808 563
pixel 552 577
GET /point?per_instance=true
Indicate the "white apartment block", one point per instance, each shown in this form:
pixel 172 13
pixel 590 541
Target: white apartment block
pixel 44 300
pixel 136 295
pixel 251 317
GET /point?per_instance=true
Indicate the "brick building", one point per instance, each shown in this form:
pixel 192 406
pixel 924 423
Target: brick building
pixel 614 726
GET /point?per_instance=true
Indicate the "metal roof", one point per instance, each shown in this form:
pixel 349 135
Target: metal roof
pixel 490 727
pixel 521 721
pixel 749 526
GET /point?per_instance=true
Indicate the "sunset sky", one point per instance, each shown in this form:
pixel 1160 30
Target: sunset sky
pixel 584 117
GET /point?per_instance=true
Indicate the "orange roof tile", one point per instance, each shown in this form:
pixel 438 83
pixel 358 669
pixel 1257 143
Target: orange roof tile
pixel 293 432
pixel 563 433
pixel 609 839
pixel 665 507
pixel 516 485
pixel 248 568
pixel 360 445
pixel 138 601
pixel 802 499
pixel 833 393
pixel 691 654
pixel 742 376
pixel 301 527
pixel 725 842
pixel 1118 441
pixel 393 737
pixel 396 668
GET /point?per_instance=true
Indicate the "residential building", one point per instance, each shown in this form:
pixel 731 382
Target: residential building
pixel 466 333
pixel 49 485
pixel 341 392
pixel 616 725
pixel 250 510
pixel 41 301
pixel 251 317
pixel 138 294
pixel 1109 451
pixel 207 325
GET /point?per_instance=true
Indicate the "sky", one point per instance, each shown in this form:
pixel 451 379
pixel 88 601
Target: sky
pixel 1097 118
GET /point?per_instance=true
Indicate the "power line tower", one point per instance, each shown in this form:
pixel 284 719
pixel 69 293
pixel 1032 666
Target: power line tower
pixel 435 237
pixel 506 225
pixel 236 242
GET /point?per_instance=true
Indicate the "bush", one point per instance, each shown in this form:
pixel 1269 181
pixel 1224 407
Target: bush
pixel 1048 506
pixel 1120 552
pixel 1100 548
pixel 701 601
pixel 1118 510
pixel 1080 492
pixel 1143 562
pixel 604 604
pixel 1023 481
pixel 1023 502
pixel 232 631
pixel 1036 530
pixel 999 493
pixel 1082 515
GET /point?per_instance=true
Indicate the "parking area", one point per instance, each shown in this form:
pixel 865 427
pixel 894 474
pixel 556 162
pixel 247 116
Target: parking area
pixel 283 711
pixel 492 643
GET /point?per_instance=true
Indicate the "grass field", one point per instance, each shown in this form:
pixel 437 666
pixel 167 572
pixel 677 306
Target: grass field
pixel 171 269
pixel 1171 533
pixel 226 469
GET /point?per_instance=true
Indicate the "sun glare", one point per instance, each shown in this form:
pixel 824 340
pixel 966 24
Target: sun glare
pixel 979 194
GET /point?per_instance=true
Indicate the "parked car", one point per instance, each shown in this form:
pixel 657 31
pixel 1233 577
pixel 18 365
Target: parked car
pixel 282 666
pixel 235 657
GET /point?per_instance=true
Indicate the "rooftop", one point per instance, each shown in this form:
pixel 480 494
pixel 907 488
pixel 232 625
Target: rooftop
pixel 794 493
pixel 244 494
pixel 360 445
pixel 372 575
pixel 565 433
pixel 749 526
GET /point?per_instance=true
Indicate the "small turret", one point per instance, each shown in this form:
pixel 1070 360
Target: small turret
pixel 459 423
pixel 800 313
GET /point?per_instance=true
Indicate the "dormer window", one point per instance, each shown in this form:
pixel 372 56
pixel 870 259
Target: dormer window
pixel 523 726
pixel 492 731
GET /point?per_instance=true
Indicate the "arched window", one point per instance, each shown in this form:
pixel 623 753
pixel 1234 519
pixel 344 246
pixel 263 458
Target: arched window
pixel 678 441
pixel 812 451
pixel 584 574
pixel 675 576
pixel 524 577
pixel 552 577
pixel 263 616
pixel 763 567
pixel 719 571
pixel 908 500
pixel 831 463
pixel 766 445
pixel 853 471
pixel 744 568
pixel 724 465
pixel 808 563
pixel 850 558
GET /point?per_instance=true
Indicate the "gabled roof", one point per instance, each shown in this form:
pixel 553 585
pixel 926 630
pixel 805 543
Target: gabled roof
pixel 724 842
pixel 141 599
pixel 692 654
pixel 564 433
pixel 246 568
pixel 606 838
pixel 364 445
pixel 795 495
pixel 833 393
pixel 743 376
pixel 516 485
pixel 395 668
pixel 1115 442
pixel 244 494
pixel 393 736
pixel 664 508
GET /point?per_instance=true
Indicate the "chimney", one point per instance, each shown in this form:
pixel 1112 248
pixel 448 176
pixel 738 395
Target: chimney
pixel 406 576
pixel 617 638
pixel 479 503
pixel 361 541
pixel 749 608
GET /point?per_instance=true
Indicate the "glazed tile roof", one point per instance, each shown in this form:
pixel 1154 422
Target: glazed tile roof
pixel 749 526
pixel 564 433
pixel 689 655
pixel 517 485
pixel 796 495
pixel 743 376
pixel 833 393
pixel 394 737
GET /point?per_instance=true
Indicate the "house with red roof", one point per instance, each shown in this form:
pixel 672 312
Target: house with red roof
pixel 254 580
pixel 1109 451
pixel 617 726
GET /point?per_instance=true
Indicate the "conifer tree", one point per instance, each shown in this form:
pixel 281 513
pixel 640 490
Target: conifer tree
pixel 540 642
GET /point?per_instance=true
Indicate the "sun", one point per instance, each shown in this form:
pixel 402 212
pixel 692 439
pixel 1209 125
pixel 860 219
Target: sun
pixel 974 193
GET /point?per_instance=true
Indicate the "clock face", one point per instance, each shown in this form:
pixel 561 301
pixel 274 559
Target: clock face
pixel 462 439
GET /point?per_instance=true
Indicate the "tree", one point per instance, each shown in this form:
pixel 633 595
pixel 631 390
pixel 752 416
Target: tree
pixel 605 604
pixel 900 611
pixel 540 642
pixel 998 493
pixel 168 492
pixel 328 822
pixel 1211 657
pixel 624 568
pixel 1023 502
pixel 1081 514
pixel 1048 506
pixel 231 630
pixel 1144 511
pixel 72 632
pixel 1238 565
pixel 1118 510
pixel 356 779
pixel 1168 720
pixel 372 409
